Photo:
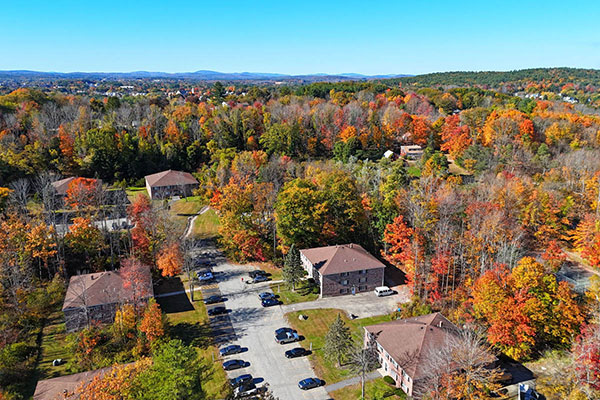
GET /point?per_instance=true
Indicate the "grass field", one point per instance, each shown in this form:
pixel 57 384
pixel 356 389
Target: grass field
pixel 206 225
pixel 133 191
pixel 189 322
pixel 182 209
pixel 303 292
pixel 314 329
pixel 375 389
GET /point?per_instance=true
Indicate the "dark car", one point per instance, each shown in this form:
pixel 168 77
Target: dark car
pixel 266 295
pixel 260 278
pixel 233 364
pixel 310 383
pixel 231 349
pixel 296 352
pixel 213 300
pixel 247 389
pixel 270 302
pixel 217 310
pixel 240 380
pixel 256 273
pixel 284 330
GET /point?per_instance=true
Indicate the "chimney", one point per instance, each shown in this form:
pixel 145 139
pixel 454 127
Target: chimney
pixel 441 323
pixel 350 245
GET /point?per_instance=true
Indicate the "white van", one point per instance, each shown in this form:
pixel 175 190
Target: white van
pixel 383 291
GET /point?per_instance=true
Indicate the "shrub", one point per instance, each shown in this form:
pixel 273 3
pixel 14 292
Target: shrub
pixel 389 380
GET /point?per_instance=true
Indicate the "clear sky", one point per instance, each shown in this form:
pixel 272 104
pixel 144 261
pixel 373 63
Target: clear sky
pixel 298 37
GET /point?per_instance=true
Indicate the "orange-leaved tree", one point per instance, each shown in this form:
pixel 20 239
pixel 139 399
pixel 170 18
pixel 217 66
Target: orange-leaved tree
pixel 170 260
pixel 82 193
pixel 153 322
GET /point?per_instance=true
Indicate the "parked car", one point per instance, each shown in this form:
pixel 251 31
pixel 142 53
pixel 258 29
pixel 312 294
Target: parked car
pixel 266 295
pixel 233 364
pixel 287 337
pixel 296 352
pixel 310 383
pixel 383 291
pixel 231 349
pixel 217 310
pixel 257 279
pixel 270 302
pixel 284 330
pixel 206 277
pixel 239 380
pixel 213 299
pixel 247 389
pixel 258 272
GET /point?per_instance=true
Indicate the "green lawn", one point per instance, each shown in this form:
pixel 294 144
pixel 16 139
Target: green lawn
pixel 133 191
pixel 184 208
pixel 375 389
pixel 206 225
pixel 54 346
pixel 189 322
pixel 314 329
pixel 413 171
pixel 303 292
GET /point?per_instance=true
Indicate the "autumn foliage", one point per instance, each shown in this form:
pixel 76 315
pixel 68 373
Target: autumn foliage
pixel 170 260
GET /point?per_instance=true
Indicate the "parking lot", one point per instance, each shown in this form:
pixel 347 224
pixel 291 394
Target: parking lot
pixel 251 326
pixel 254 328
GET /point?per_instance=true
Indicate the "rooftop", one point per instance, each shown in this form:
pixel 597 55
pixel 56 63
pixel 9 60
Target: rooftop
pixel 341 258
pixel 63 386
pixel 103 288
pixel 408 340
pixel 170 178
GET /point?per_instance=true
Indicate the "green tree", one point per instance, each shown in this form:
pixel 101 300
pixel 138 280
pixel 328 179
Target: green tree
pixel 338 341
pixel 175 374
pixel 292 269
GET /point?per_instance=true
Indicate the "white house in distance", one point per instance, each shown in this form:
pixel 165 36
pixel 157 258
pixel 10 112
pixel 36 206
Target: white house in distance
pixel 412 151
pixel 343 269
pixel 170 183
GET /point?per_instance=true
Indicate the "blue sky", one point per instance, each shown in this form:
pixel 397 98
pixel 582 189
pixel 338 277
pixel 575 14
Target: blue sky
pixel 297 37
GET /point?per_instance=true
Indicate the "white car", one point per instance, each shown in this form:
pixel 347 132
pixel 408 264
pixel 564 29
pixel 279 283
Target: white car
pixel 383 291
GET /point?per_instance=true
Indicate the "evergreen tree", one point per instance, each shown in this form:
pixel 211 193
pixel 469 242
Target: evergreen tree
pixel 338 341
pixel 292 269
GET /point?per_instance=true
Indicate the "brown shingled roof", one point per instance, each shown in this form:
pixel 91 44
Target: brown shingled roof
pixel 170 178
pixel 341 258
pixel 412 338
pixel 63 386
pixel 101 288
pixel 62 185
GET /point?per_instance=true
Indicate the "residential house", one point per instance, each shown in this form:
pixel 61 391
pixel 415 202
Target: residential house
pixel 62 387
pixel 95 298
pixel 343 269
pixel 403 346
pixel 61 186
pixel 412 151
pixel 170 183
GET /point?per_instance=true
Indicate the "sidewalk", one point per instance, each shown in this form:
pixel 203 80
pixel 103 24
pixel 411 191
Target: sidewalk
pixel 352 381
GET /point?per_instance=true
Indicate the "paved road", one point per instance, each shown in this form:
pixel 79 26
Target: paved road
pixel 362 305
pixel 254 328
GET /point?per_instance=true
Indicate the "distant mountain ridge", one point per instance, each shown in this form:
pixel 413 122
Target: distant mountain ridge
pixel 204 75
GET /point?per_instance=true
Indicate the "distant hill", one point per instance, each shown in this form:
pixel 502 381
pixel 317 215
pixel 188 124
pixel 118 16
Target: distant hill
pixel 201 75
pixel 494 79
